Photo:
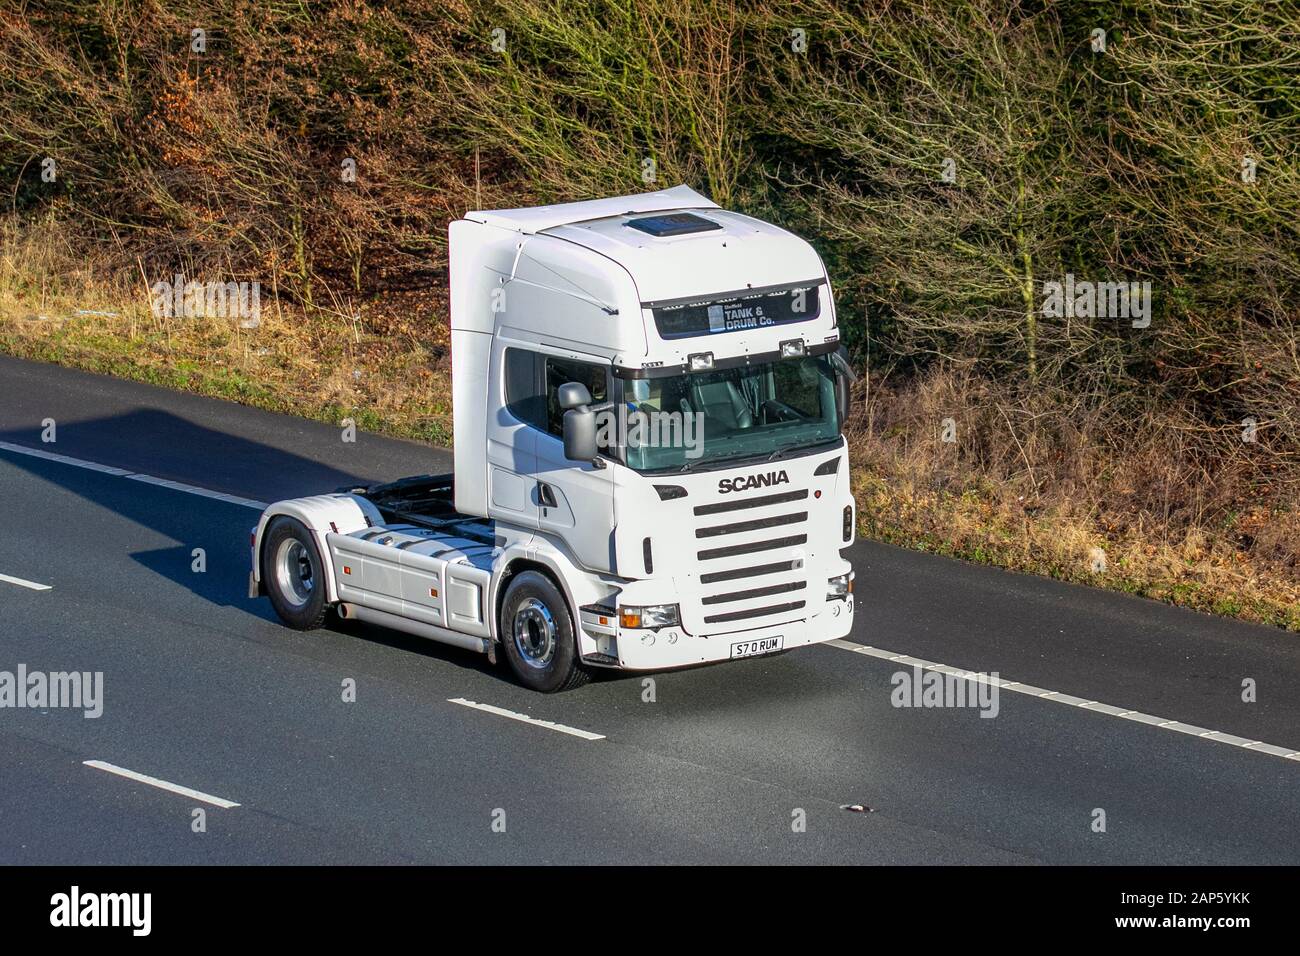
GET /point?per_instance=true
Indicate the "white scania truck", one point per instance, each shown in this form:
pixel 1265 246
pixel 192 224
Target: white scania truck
pixel 560 543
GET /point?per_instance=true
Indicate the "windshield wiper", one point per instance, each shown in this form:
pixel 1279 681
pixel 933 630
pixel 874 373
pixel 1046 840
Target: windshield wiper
pixel 789 446
pixel 741 459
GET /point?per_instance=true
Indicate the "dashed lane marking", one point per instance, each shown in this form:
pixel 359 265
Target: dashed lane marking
pixel 23 583
pixel 162 784
pixel 548 724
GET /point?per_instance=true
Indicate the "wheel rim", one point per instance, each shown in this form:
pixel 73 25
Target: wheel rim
pixel 294 572
pixel 534 633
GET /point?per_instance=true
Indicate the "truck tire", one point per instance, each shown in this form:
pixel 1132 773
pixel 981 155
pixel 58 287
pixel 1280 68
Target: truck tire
pixel 538 636
pixel 293 574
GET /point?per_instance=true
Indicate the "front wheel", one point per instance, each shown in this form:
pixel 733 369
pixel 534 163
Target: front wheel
pixel 293 574
pixel 538 635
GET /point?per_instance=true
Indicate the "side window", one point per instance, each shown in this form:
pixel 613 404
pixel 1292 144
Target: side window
pixel 558 372
pixel 524 399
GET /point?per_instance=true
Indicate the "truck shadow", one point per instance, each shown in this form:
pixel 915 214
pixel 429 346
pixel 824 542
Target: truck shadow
pixel 167 446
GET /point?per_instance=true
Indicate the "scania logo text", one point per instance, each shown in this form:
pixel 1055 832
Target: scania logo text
pixel 750 482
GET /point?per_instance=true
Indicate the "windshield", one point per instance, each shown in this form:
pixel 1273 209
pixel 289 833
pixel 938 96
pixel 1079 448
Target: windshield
pixel 729 414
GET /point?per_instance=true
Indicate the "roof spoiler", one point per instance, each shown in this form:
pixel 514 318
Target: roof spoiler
pixel 539 218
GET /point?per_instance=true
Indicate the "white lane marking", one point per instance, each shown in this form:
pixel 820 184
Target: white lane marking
pixel 548 724
pixel 196 490
pixel 134 476
pixel 1056 697
pixel 50 456
pixel 26 584
pixel 162 784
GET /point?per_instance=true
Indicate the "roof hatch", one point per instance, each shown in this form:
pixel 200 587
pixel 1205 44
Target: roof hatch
pixel 673 224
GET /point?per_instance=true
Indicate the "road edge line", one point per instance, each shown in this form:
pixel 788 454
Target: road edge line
pixel 133 475
pixel 1059 697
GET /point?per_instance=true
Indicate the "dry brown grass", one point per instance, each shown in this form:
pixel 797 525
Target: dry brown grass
pixel 384 363
pixel 1037 482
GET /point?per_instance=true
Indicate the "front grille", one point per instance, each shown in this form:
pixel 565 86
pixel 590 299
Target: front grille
pixel 754 546
pixel 739 526
pixel 738 574
pixel 783 577
pixel 756 592
pixel 752 612
pixel 741 503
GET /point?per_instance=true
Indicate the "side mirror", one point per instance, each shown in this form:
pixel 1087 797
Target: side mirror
pixel 579 421
pixel 573 395
pixel 580 434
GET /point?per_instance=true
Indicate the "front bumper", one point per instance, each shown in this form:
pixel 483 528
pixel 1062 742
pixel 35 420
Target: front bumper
pixel 670 647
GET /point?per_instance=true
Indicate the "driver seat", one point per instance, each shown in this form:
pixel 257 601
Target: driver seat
pixel 722 401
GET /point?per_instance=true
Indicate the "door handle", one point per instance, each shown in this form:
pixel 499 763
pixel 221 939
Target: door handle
pixel 545 495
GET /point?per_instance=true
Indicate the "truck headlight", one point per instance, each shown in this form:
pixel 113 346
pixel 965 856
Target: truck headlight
pixel 840 587
pixel 700 361
pixel 649 615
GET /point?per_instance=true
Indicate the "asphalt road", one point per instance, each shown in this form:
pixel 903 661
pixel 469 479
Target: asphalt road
pixel 205 690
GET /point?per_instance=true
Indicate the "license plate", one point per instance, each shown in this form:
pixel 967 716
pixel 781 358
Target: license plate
pixel 764 645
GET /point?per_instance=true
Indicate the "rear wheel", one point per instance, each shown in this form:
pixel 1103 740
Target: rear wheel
pixel 293 574
pixel 538 635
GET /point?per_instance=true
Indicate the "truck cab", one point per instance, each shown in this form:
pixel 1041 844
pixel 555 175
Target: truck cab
pixel 648 395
